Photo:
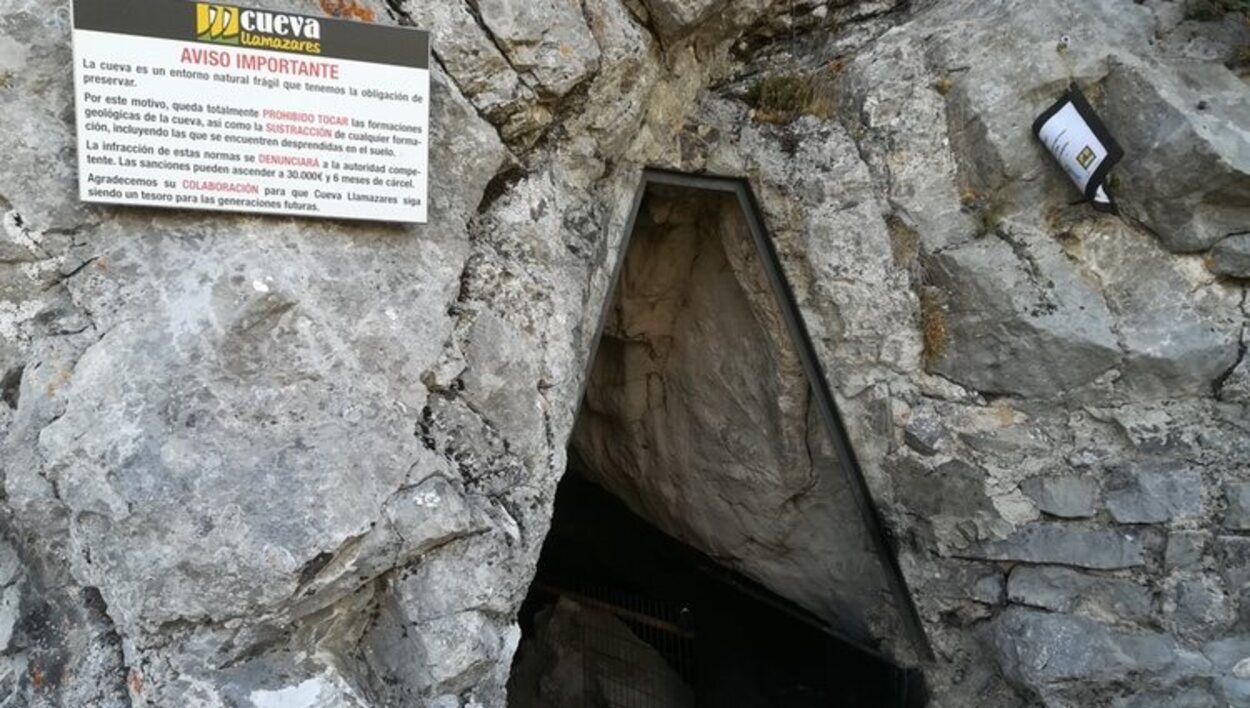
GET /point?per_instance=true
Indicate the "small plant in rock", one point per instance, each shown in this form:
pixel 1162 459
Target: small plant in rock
pixel 936 337
pixel 989 211
pixel 783 98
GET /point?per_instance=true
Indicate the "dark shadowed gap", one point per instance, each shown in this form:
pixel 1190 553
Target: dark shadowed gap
pixel 707 418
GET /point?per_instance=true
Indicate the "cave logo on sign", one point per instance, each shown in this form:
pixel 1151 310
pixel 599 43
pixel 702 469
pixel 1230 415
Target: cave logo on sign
pixel 1086 157
pixel 217 23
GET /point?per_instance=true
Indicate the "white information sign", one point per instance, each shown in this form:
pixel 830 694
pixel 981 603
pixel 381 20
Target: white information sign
pixel 1081 144
pixel 203 106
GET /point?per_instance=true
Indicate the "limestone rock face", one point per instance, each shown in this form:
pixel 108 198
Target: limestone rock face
pixel 1188 121
pixel 547 40
pixel 253 461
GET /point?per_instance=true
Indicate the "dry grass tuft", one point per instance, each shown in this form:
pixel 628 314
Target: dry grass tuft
pixel 933 323
pixel 904 242
pixel 783 98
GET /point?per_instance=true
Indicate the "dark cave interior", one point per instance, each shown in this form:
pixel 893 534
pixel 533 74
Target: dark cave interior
pixel 730 641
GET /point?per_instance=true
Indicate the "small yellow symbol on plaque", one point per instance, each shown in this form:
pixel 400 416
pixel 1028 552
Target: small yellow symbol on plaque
pixel 217 23
pixel 1086 157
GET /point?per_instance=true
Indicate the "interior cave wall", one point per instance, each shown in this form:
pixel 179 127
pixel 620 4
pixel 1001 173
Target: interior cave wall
pixel 699 415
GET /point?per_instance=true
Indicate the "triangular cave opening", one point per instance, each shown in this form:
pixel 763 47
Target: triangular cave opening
pixel 710 544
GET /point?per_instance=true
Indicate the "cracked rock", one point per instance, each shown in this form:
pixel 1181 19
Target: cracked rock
pixel 546 40
pixel 1063 544
pixel 1066 590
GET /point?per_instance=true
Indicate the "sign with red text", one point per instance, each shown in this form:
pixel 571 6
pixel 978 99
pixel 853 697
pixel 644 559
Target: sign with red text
pixel 194 105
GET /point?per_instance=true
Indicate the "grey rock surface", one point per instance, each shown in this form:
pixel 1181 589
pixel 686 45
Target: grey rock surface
pixel 1065 496
pixel 1070 591
pixel 676 18
pixel 1058 543
pixel 546 40
pixel 1231 257
pixel 1045 648
pixel 1156 118
pixel 1153 492
pixel 1237 511
pixel 1020 319
pixel 256 461
pixel 1185 548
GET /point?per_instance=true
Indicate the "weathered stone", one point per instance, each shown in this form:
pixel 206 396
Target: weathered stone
pixel 1235 388
pixel 1188 176
pixel 1153 492
pixel 924 435
pixel 1231 257
pixel 1059 543
pixel 1226 654
pixel 1043 649
pixel 1066 590
pixel 10 613
pixel 466 51
pixel 1067 496
pixel 1185 549
pixel 1180 330
pixel 890 89
pixel 983 584
pixel 1237 512
pixel 954 488
pixel 1197 606
pixel 1235 692
pixel 1018 319
pixel 1176 698
pixel 546 41
pixel 675 18
pixel 313 462
pixel 1233 553
pixel 1202 30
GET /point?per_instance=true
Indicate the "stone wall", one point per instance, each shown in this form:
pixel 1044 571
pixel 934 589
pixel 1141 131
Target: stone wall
pixel 257 461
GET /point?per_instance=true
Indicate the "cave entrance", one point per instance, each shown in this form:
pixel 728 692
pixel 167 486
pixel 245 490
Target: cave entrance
pixel 713 542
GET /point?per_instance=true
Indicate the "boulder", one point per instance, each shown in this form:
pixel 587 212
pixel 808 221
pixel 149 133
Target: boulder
pixel 1186 173
pixel 1179 329
pixel 1017 318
